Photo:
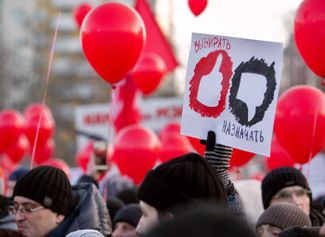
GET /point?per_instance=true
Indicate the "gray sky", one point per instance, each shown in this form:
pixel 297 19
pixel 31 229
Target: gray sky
pixel 254 19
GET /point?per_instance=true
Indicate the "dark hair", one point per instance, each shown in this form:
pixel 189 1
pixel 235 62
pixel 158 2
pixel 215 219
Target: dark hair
pixel 198 221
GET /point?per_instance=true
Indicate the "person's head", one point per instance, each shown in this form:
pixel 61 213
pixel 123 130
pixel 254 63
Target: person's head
pixel 85 233
pixel 12 179
pixel 128 195
pixel 183 180
pixel 42 198
pixel 85 178
pixel 279 217
pixel 126 221
pixel 286 184
pixel 200 221
pixel 113 205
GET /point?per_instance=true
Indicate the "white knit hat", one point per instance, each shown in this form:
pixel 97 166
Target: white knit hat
pixel 85 233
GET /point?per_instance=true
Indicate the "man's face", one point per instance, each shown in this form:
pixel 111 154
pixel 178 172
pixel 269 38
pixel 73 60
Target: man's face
pixel 148 220
pixel 267 231
pixel 34 220
pixel 296 195
pixel 124 229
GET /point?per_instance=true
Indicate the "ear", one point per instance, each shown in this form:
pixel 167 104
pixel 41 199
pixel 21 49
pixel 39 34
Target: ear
pixel 59 218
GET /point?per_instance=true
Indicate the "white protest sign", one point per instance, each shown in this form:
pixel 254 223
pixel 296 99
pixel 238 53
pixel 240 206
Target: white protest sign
pixel 155 112
pixel 232 86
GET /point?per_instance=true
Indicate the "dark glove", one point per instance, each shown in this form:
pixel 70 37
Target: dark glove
pixel 210 142
pixel 218 156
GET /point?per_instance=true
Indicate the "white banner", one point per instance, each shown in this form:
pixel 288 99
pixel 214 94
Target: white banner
pixel 156 113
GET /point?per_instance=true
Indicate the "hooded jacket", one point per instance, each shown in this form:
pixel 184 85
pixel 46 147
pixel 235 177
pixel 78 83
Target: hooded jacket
pixel 90 212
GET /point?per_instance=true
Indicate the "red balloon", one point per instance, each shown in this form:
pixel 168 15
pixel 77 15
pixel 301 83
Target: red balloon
pixel 309 34
pixel 173 146
pixel 136 151
pixel 148 72
pixel 11 127
pixel 196 144
pixel 46 127
pixel 279 157
pixel 7 165
pixel 83 156
pixel 197 6
pixel 17 151
pixel 170 129
pixel 43 153
pixel 300 122
pixel 240 158
pixel 60 164
pixel 112 38
pixel 80 12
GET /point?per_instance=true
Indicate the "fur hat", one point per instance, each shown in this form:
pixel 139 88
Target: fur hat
pixel 186 179
pixel 283 215
pixel 281 178
pixel 47 185
pixel 85 233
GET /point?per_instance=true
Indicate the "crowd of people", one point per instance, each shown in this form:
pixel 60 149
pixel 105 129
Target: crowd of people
pixel 191 195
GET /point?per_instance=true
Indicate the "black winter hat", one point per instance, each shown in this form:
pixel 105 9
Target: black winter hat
pixel 188 178
pixel 47 185
pixel 281 178
pixel 283 215
pixel 130 214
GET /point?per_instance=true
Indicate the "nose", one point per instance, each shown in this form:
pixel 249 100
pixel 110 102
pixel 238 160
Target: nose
pixel 116 233
pixel 19 216
pixel 295 200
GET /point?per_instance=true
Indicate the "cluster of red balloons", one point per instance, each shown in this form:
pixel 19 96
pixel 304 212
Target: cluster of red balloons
pixel 19 132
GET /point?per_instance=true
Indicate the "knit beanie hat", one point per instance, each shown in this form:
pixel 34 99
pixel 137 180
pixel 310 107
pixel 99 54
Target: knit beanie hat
pixel 281 178
pixel 185 179
pixel 114 204
pixel 47 185
pixel 85 233
pixel 130 214
pixel 283 215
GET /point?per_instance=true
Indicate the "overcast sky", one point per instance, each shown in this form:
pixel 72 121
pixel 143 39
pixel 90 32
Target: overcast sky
pixel 254 19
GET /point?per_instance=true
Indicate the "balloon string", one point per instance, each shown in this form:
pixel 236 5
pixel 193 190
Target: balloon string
pixel 312 144
pixel 111 118
pixel 46 88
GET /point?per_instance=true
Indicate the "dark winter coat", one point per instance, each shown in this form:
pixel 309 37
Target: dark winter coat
pixel 90 212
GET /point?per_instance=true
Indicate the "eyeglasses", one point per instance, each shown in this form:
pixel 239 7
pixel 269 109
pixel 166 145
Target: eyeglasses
pixel 288 195
pixel 25 210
